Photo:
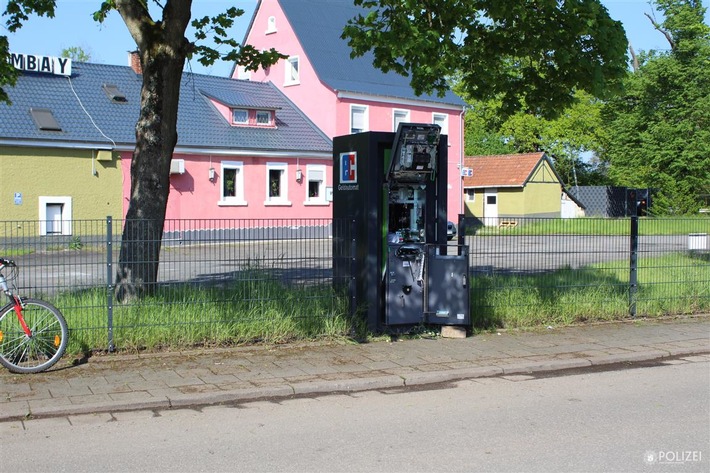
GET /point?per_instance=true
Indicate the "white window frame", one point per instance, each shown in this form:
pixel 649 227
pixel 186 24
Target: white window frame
pixel 66 203
pixel 365 118
pixel 270 25
pixel 404 114
pixel 245 122
pixel 470 195
pixel 268 113
pixel 238 198
pixel 243 73
pixel 442 120
pixel 281 199
pixel 311 171
pixel 291 78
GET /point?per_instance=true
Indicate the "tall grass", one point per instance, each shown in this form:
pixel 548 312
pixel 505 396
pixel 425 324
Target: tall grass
pixel 184 316
pixel 667 285
pixel 257 309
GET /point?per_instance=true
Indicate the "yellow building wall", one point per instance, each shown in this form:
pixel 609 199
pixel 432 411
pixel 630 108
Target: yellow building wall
pixel 541 197
pixel 94 186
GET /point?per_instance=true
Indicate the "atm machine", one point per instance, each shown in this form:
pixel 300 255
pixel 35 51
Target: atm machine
pixel 393 187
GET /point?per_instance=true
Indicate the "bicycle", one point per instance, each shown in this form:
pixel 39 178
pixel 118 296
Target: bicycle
pixel 33 333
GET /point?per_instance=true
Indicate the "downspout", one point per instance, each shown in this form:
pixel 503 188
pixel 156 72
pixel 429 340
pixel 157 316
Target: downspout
pixel 461 155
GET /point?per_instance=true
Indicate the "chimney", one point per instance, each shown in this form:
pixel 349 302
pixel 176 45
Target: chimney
pixel 134 61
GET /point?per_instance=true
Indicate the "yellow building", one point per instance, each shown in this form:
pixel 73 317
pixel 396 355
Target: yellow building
pixel 53 186
pixel 505 187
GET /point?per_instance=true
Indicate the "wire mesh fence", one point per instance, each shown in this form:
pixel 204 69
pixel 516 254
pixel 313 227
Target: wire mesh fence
pixel 227 281
pixel 527 271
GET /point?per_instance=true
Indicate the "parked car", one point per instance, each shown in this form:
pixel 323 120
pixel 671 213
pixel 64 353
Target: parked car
pixel 450 230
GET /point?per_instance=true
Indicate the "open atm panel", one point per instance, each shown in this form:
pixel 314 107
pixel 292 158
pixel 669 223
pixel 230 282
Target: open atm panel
pixel 414 153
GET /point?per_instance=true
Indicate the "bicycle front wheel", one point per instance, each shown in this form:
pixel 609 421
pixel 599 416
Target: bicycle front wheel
pixel 45 345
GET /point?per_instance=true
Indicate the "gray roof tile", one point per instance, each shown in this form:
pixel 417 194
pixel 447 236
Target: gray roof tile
pixel 318 25
pixel 80 99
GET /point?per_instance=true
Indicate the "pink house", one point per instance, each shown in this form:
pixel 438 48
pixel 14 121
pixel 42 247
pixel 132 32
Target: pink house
pixel 342 95
pixel 244 152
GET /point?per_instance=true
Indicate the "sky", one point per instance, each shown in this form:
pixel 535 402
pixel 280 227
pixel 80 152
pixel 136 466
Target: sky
pixel 110 42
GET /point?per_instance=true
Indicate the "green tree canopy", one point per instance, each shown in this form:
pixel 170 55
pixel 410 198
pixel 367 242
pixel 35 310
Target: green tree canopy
pixel 657 134
pixel 534 53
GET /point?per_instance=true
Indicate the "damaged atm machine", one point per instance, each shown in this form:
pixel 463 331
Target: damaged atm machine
pixel 390 245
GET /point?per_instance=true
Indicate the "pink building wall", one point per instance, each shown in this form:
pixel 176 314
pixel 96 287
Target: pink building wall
pixel 330 110
pixel 194 196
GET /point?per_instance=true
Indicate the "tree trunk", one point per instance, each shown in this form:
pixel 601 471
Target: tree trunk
pixel 156 136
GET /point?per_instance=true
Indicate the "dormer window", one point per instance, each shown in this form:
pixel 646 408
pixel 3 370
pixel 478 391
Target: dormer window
pixel 240 116
pixel 263 117
pixel 247 117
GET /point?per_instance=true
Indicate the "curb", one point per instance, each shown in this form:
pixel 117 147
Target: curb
pixel 314 388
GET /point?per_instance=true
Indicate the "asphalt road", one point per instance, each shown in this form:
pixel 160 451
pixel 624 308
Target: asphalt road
pixel 311 259
pixel 640 419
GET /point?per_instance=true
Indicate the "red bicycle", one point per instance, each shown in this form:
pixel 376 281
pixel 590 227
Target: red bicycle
pixel 33 333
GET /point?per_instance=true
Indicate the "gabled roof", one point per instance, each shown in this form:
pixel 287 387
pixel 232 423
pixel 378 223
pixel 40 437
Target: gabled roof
pixel 503 170
pixel 318 25
pixel 89 118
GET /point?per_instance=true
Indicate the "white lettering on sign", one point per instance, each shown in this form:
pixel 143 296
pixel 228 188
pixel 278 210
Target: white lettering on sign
pixel 50 65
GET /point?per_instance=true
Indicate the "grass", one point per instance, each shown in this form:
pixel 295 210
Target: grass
pixel 668 285
pixel 260 310
pixel 245 312
pixel 599 226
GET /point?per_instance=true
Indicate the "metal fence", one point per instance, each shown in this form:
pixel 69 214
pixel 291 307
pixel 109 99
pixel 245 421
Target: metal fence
pixel 218 279
pixel 566 270
pixel 221 280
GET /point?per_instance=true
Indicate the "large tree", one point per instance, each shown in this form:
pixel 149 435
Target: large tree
pixel 658 132
pixel 528 53
pixel 163 50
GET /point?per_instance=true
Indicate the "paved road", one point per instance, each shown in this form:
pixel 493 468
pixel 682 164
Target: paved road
pixel 643 419
pixel 311 259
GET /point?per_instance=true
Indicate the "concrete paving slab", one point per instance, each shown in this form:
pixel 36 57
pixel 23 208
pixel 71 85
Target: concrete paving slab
pixel 120 383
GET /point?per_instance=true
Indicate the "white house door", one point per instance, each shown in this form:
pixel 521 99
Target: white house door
pixel 490 207
pixel 54 219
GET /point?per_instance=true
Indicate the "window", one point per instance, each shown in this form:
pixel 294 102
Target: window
pixel 399 116
pixel 44 119
pixel 270 25
pixel 240 116
pixel 470 195
pixel 292 77
pixel 263 117
pixel 243 73
pixel 232 183
pixel 315 178
pixel 358 119
pixel 441 120
pixel 276 184
pixel 55 214
pixel 114 94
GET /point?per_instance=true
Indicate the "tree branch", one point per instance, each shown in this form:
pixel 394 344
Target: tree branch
pixel 665 33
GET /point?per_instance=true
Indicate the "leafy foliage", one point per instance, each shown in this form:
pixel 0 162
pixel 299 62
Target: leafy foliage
pixel 522 52
pixel 18 11
pixel 658 131
pixel 571 139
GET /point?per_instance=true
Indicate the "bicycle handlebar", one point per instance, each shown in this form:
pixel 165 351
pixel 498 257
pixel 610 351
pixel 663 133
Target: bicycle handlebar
pixel 7 263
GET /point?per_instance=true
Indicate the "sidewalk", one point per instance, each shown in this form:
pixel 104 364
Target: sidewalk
pixel 113 383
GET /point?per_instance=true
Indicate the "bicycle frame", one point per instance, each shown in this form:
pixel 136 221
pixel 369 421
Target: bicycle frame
pixel 15 300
